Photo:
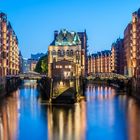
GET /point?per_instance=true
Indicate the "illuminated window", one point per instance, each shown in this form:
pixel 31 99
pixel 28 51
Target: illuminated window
pixel 77 52
pixel 57 66
pixel 66 74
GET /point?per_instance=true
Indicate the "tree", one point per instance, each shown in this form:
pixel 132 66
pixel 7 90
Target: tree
pixel 42 65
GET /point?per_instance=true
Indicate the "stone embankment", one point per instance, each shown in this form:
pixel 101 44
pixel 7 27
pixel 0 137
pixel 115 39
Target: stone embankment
pixel 8 85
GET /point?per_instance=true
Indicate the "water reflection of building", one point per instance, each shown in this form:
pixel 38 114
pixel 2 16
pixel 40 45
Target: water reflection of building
pixel 133 113
pixel 30 83
pixel 67 122
pixel 9 118
pixel 99 92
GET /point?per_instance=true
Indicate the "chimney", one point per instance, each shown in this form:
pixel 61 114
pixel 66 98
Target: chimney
pixel 55 34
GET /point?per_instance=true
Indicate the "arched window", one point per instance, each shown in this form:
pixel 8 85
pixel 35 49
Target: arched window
pixel 71 52
pixel 53 52
pixel 62 52
pixel 68 53
pixel 59 53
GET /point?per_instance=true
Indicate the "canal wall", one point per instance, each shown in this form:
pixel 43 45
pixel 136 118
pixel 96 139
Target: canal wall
pixel 12 84
pixel 8 85
pixel 44 86
pixel 2 87
pixel 135 88
pixel 61 91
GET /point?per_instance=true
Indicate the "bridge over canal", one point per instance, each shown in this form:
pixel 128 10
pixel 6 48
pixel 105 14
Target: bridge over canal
pixel 27 76
pixel 110 76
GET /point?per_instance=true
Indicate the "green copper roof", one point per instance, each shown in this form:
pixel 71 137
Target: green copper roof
pixel 65 38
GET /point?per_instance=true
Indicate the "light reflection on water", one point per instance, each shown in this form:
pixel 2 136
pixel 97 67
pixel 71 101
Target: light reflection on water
pixel 103 115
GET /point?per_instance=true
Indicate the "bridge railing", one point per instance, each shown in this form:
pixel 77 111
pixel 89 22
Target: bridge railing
pixel 31 76
pixel 107 75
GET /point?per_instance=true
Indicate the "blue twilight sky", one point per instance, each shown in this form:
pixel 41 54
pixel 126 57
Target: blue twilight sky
pixel 34 21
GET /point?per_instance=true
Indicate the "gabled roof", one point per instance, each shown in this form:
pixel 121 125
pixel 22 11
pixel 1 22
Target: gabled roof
pixel 66 38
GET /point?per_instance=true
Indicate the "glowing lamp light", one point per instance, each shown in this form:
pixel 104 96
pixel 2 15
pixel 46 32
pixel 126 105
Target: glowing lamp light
pixel 61 83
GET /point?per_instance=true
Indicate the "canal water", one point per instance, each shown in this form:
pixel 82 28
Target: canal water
pixel 104 115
